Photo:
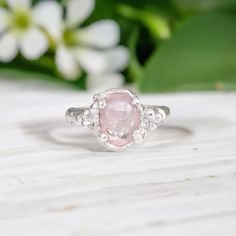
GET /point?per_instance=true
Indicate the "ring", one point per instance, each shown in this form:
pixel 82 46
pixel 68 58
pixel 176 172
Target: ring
pixel 118 119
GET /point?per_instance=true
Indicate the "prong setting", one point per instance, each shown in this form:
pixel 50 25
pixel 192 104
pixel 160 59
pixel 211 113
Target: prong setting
pixel 101 103
pixel 102 138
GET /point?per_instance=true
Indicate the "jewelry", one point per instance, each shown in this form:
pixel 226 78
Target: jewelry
pixel 118 118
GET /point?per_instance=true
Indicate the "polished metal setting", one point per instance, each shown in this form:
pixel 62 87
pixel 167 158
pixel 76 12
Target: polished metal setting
pixel 151 117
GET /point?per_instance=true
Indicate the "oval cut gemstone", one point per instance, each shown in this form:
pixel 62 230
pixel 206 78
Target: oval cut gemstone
pixel 119 119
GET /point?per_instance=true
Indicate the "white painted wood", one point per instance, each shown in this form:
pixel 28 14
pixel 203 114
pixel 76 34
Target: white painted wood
pixel 56 180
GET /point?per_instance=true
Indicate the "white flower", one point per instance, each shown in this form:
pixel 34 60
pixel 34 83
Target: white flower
pixel 19 31
pixel 102 82
pixel 117 60
pixel 90 49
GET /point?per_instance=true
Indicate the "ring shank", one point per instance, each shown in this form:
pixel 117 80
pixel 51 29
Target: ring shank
pixel 73 114
pixel 165 109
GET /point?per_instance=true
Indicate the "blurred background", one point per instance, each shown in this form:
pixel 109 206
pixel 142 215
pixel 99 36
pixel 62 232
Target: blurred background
pixel 153 45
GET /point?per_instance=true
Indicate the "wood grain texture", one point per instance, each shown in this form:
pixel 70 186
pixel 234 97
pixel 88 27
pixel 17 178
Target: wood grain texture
pixel 56 180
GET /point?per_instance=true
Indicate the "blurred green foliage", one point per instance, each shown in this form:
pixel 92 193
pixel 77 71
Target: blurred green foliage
pixel 175 44
pixel 195 60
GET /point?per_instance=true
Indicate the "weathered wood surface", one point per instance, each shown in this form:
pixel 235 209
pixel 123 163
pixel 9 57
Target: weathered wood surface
pixel 55 180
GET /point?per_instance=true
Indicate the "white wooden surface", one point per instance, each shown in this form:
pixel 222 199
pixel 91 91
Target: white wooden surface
pixel 55 180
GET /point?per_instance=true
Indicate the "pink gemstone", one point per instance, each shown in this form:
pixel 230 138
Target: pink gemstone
pixel 119 119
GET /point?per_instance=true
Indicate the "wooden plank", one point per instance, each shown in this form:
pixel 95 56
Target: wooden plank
pixel 56 180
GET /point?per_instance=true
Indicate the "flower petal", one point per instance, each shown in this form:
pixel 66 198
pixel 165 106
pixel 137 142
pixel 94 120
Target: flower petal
pixel 66 63
pixel 93 61
pixel 8 47
pixel 4 16
pixel 97 62
pixel 102 34
pixel 103 82
pixel 78 11
pixel 26 4
pixel 117 58
pixel 33 44
pixel 48 14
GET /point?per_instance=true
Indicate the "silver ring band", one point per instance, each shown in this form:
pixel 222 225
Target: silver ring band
pixel 118 118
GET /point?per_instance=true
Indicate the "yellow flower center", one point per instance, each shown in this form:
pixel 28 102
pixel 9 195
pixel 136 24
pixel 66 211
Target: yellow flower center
pixel 21 19
pixel 70 37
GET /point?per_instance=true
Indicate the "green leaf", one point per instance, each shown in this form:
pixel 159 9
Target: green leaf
pixel 156 24
pixel 200 56
pixel 199 5
pixel 134 69
pixel 13 73
pixel 43 69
